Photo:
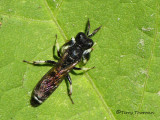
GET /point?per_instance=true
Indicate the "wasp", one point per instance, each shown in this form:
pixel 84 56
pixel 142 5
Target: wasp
pixel 77 50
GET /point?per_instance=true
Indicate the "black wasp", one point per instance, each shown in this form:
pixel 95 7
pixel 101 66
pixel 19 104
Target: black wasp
pixel 75 51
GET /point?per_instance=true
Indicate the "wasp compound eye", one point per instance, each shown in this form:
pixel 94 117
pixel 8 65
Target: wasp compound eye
pixel 80 36
pixel 89 43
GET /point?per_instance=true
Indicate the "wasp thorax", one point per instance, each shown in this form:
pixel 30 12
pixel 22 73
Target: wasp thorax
pixel 84 41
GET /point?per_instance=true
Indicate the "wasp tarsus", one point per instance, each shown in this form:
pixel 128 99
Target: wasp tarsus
pixel 76 50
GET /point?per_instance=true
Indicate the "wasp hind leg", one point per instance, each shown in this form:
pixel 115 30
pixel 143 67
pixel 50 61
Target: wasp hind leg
pixel 70 82
pixel 40 62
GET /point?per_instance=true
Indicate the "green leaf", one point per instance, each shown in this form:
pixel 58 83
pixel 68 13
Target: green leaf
pixel 126 57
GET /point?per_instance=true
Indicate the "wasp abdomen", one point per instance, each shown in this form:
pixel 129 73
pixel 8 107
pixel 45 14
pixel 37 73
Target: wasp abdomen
pixel 45 87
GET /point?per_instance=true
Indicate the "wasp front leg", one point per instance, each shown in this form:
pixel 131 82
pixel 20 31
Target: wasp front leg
pixel 68 45
pixel 56 45
pixel 64 47
pixel 85 58
pixel 86 55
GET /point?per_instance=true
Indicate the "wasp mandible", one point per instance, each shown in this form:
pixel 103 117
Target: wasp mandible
pixel 77 50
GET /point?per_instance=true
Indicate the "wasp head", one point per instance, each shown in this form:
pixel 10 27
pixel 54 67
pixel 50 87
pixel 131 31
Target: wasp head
pixel 84 41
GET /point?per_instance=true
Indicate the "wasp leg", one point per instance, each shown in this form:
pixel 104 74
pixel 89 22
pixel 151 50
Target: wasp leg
pixel 40 62
pixel 68 45
pixel 70 82
pixel 83 68
pixel 70 91
pixel 57 46
pixel 86 55
pixel 94 32
pixel 87 28
pixel 85 58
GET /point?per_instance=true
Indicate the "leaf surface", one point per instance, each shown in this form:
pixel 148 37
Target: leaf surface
pixel 126 57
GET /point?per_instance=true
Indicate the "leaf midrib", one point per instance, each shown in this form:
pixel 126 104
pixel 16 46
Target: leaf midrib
pixel 55 20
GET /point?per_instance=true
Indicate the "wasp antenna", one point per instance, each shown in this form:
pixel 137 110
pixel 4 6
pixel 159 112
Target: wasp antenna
pixel 87 28
pixel 95 31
